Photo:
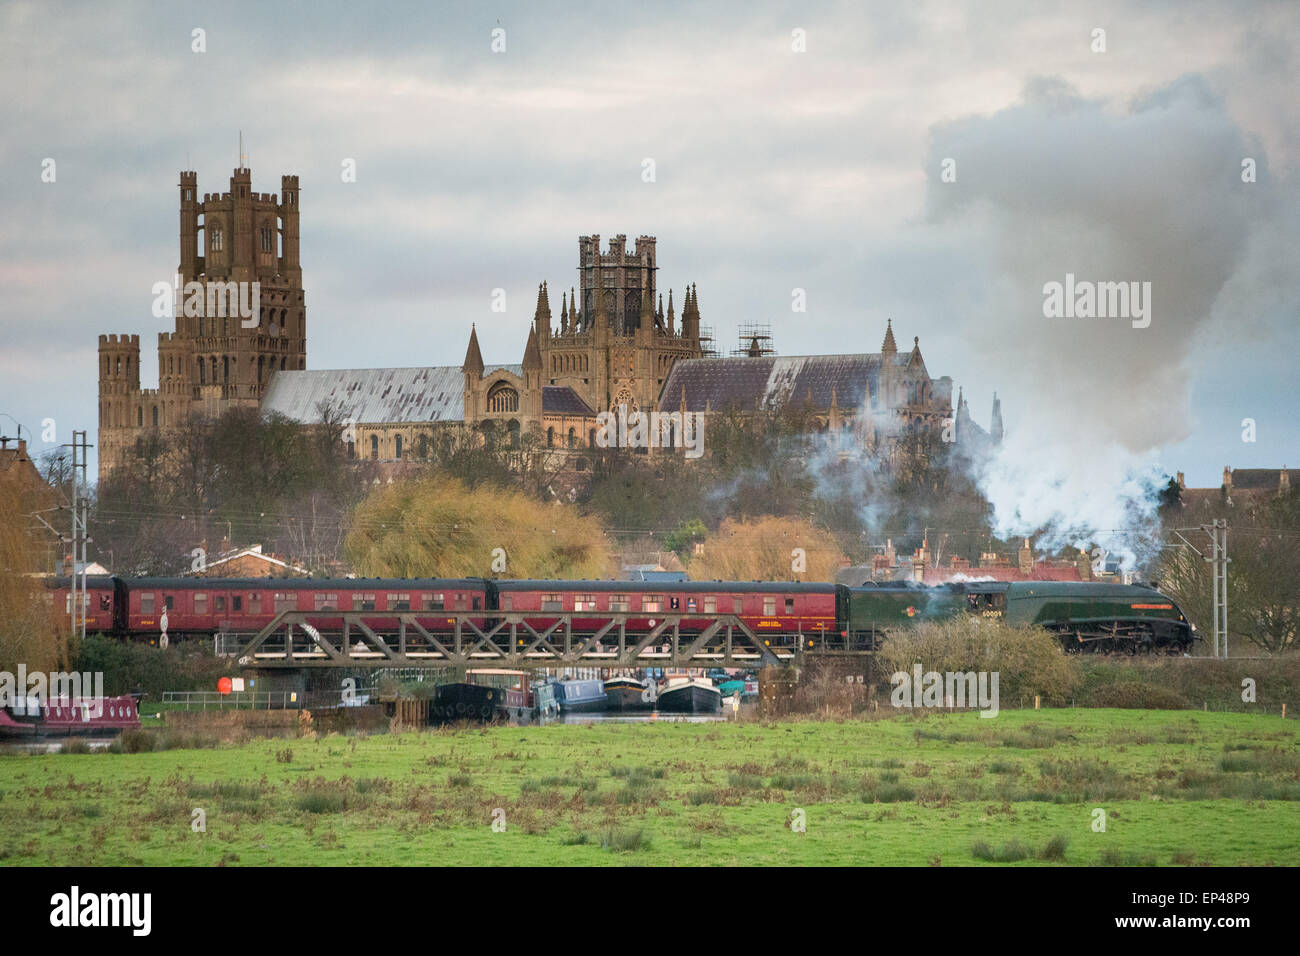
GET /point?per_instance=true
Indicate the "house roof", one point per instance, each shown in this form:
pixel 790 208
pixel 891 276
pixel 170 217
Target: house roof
pixel 562 400
pixel 432 394
pixel 774 381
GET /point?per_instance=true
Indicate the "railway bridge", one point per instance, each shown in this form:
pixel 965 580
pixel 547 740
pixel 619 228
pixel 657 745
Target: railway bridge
pixel 306 639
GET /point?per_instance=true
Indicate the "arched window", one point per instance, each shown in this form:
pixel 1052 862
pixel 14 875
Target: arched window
pixel 155 416
pixel 502 398
pixel 139 417
pixel 374 446
pixel 225 369
pixel 591 438
pixel 214 237
pixel 214 370
pixel 398 448
pixel 203 373
pixel 261 361
pixel 550 437
pixel 513 426
pixel 573 438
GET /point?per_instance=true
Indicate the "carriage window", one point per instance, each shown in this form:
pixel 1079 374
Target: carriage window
pixel 478 603
pixel 674 603
pixel 710 605
pixel 460 602
pixel 651 602
pixel 690 604
pixel 399 602
pixel 584 602
pixel 169 601
pixel 552 602
pixel 619 602
pixel 434 602
pixel 769 605
pixel 200 603
pixel 327 602
pixel 286 601
pixel 220 602
pixel 103 602
pixel 236 603
pixel 367 602
pixel 789 605
pixel 507 602
pixel 737 607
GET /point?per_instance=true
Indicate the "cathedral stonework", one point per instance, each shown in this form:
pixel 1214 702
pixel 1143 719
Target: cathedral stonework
pixel 217 357
pixel 618 341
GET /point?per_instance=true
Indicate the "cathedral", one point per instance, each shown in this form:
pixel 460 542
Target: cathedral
pixel 618 341
pixel 212 360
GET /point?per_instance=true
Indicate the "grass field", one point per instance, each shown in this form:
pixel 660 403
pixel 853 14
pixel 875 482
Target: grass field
pixel 1176 788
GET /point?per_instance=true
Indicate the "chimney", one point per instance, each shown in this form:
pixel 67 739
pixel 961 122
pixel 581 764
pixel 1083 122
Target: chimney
pixel 1084 565
pixel 1227 477
pixel 1182 484
pixel 1027 560
pixel 1283 482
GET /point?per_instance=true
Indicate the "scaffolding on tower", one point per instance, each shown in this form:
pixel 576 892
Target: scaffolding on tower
pixel 754 339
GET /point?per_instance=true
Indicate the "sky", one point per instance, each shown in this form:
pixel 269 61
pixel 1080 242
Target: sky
pixel 933 163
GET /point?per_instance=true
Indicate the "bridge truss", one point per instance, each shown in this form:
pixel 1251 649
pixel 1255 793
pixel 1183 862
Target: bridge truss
pixel 297 639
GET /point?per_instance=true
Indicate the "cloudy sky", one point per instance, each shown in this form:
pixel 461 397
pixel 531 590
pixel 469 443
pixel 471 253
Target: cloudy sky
pixel 775 170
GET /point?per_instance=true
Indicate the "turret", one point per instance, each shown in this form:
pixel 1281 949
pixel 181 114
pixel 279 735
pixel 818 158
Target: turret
pixel 691 315
pixel 290 267
pixel 542 314
pixel 191 262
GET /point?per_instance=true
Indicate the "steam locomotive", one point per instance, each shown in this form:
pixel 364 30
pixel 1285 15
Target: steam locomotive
pixel 1085 616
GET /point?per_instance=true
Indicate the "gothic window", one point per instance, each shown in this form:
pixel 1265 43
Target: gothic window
pixel 502 398
pixel 203 373
pixel 214 370
pixel 550 437
pixel 513 426
pixel 139 417
pixel 215 238
pixel 261 359
pixel 225 369
pixel 374 446
pixel 398 448
pixel 573 438
pixel 268 239
pixel 155 416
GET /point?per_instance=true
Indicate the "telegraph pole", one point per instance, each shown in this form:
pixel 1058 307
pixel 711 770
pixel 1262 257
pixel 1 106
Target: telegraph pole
pixel 80 524
pixel 1218 558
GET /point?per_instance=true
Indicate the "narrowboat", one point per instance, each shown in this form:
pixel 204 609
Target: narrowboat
pixel 68 717
pixel 628 693
pixel 579 696
pixel 546 700
pixel 689 695
pixel 478 702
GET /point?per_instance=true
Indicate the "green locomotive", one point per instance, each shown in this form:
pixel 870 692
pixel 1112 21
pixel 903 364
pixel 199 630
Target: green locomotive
pixel 1086 616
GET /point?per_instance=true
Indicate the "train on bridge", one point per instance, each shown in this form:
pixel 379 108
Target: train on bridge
pixel 1086 616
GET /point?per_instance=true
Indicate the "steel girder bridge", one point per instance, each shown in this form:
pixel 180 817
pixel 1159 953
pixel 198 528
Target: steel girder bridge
pixel 297 639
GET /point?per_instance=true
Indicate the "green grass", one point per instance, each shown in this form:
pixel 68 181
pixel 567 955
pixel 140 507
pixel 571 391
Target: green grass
pixel 1177 788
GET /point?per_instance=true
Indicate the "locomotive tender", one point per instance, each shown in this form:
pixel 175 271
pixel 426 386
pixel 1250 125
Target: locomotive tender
pixel 1085 616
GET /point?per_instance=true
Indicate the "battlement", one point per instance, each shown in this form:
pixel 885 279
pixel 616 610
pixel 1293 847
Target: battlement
pixel 120 341
pixel 189 177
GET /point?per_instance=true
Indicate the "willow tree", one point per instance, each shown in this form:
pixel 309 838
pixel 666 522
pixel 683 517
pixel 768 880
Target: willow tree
pixel 767 549
pixel 439 527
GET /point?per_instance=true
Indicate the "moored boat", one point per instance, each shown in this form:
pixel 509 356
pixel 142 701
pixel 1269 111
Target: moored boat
pixel 628 693
pixel 581 696
pixel 68 717
pixel 478 702
pixel 689 695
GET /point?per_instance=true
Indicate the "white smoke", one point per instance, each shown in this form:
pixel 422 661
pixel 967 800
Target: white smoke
pixel 1062 185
